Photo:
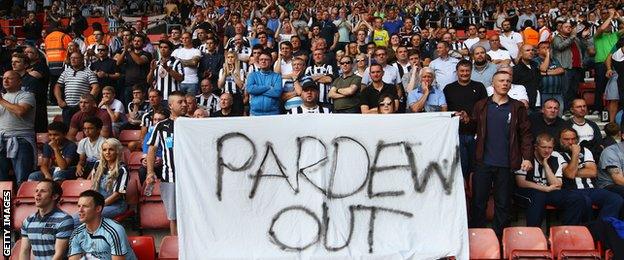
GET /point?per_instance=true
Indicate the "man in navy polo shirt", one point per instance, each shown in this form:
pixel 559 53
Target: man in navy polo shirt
pixel 504 145
pixel 47 231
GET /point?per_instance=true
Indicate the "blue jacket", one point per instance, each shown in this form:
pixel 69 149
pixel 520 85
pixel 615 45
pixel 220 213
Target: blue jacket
pixel 265 88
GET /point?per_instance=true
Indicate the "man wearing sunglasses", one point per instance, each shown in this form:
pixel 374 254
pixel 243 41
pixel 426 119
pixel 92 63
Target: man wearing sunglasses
pixel 105 68
pixel 482 42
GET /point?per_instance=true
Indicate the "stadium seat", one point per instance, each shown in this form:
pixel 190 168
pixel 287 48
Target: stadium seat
pixel 168 248
pixel 134 191
pixel 143 247
pixel 152 212
pixel 126 154
pixel 572 241
pixel 26 193
pixel 71 193
pixel 134 160
pixel 72 190
pixel 127 136
pixel 21 212
pixel 525 242
pixel 608 254
pixel 483 244
pixel 42 138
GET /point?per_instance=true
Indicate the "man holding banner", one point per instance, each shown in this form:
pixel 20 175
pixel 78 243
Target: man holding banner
pixel 499 153
pixel 163 137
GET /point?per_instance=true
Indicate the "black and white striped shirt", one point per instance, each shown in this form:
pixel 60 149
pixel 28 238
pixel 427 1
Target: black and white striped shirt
pixel 305 110
pixel 76 83
pixel 402 69
pixel 164 82
pixel 585 156
pixel 326 70
pixel 211 103
pixel 163 137
pixel 538 174
pixel 230 84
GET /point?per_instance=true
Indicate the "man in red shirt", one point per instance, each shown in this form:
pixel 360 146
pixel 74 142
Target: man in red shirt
pixel 87 109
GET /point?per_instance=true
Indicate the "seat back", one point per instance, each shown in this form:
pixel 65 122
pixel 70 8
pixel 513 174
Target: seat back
pixel 26 193
pixel 483 244
pixel 143 247
pixel 523 238
pixel 73 188
pixel 134 160
pixel 168 248
pixel 570 238
pixel 127 136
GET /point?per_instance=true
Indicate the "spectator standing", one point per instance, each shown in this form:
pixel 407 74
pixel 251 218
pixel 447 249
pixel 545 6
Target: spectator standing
pixel 552 74
pixel 265 88
pixel 17 122
pixel 483 70
pixel 104 67
pixel 567 48
pixel 189 57
pixel 74 82
pixel 461 96
pixel 499 153
pixel 345 89
pixel 162 137
pixel 444 66
pixel 510 39
pixel 527 73
pixel 135 62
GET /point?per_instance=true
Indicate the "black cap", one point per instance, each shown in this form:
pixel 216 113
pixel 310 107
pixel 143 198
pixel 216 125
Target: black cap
pixel 308 83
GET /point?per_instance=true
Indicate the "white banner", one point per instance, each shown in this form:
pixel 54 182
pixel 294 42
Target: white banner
pixel 320 187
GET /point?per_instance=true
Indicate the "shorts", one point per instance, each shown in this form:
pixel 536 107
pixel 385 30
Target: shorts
pixel 611 90
pixel 167 194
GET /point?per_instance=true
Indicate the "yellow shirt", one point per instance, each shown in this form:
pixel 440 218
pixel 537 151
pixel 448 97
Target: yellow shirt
pixel 381 38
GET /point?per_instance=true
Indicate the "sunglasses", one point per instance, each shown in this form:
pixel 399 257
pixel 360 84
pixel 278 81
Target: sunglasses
pixel 345 62
pixel 481 31
pixel 383 104
pixel 361 60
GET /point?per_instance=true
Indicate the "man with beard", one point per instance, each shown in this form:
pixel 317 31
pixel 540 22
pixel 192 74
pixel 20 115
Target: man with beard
pixel 579 172
pixel 483 70
pixel 510 40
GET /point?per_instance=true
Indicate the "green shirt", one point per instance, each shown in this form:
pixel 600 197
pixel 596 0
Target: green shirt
pixel 350 101
pixel 604 44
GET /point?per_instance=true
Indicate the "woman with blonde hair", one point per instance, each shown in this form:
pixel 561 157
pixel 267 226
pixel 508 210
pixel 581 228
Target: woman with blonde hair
pixel 232 80
pixel 110 178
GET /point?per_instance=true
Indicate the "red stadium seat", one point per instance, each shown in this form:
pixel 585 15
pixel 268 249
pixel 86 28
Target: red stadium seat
pixel 126 154
pixel 483 244
pixel 21 212
pixel 26 193
pixel 69 208
pixel 572 241
pixel 529 242
pixel 168 248
pixel 127 136
pixel 152 215
pixel 608 254
pixel 143 247
pixel 72 190
pixel 134 191
pixel 42 138
pixel 134 160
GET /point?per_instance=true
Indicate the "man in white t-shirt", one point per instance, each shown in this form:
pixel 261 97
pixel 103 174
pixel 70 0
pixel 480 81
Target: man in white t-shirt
pixel 498 55
pixel 510 40
pixel 189 57
pixel 472 36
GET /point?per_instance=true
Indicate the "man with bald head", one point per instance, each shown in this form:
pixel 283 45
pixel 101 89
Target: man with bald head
pixel 527 73
pixel 17 129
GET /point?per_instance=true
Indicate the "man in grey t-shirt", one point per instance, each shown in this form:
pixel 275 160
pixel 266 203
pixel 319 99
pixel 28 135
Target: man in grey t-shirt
pixel 611 175
pixel 17 134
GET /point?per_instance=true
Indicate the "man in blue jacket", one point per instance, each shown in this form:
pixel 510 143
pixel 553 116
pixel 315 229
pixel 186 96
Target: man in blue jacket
pixel 265 88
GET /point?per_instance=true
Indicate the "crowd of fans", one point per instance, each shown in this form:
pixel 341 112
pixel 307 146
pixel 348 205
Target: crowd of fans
pixel 510 70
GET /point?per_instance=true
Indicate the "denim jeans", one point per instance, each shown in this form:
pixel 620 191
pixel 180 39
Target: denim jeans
pixel 467 145
pixel 501 179
pixel 609 203
pixel 570 203
pixel 189 88
pixel 60 175
pixel 22 164
pixel 601 83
